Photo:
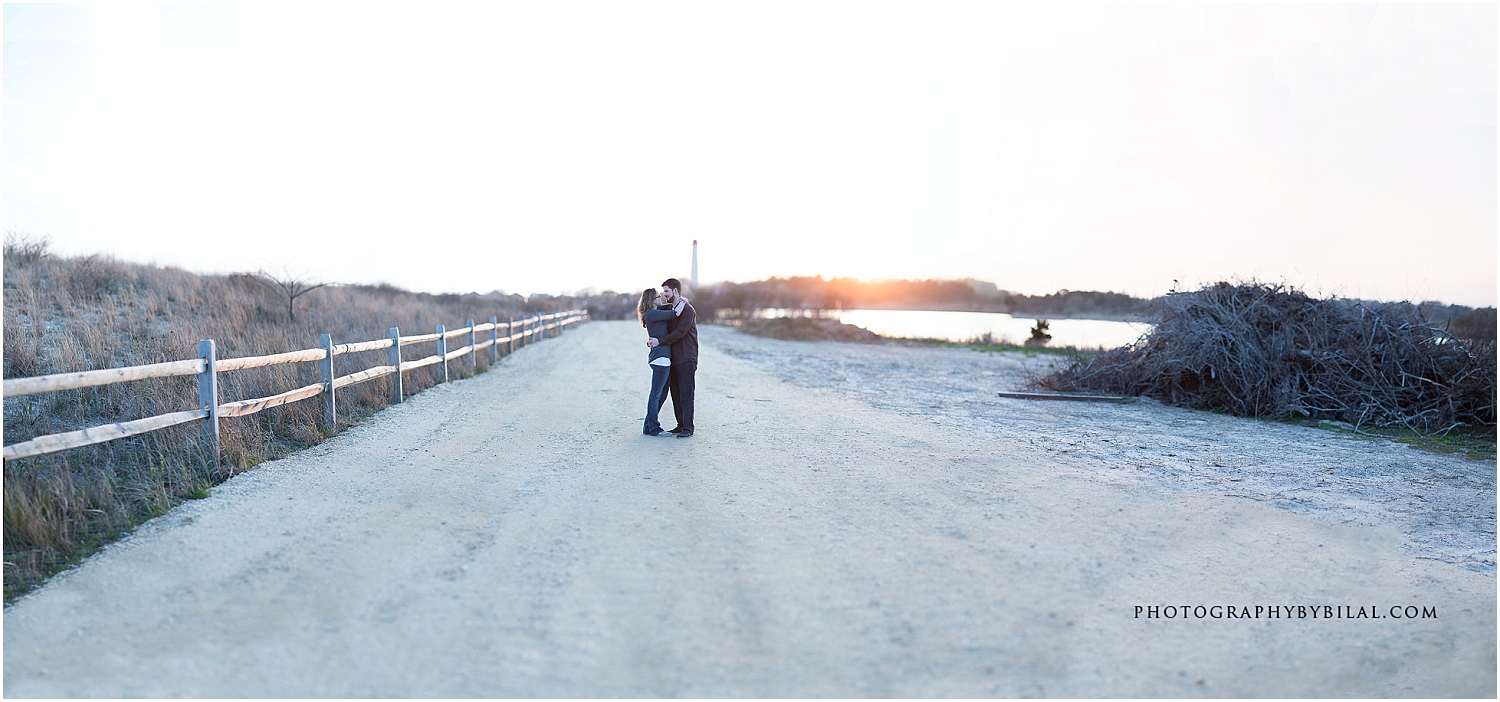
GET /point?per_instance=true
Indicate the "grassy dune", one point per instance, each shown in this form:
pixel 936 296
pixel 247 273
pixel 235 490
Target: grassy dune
pixel 72 314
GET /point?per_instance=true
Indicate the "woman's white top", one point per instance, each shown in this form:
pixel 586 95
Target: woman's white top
pixel 677 308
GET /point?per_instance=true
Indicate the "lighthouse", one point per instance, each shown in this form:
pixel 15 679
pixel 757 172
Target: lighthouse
pixel 693 281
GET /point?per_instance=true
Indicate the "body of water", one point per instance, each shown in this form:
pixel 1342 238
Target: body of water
pixel 963 326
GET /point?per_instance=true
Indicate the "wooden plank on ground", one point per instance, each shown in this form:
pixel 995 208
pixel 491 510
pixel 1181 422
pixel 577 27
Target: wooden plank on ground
pixel 1075 397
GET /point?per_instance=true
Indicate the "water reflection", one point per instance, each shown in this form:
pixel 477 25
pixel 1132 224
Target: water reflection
pixel 963 326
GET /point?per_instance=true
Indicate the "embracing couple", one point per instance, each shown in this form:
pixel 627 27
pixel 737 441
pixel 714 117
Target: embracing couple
pixel 672 335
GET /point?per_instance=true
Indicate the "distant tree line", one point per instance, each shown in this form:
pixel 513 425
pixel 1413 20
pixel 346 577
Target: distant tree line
pixel 730 300
pixel 726 301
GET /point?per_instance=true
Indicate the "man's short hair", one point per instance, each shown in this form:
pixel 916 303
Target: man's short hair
pixel 672 283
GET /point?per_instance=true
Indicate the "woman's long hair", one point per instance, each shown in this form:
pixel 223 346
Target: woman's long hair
pixel 648 300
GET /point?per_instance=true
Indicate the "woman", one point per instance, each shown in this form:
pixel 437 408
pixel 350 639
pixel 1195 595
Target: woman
pixel 654 313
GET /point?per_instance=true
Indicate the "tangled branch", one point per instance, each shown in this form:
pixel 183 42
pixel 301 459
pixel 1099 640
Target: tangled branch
pixel 1269 350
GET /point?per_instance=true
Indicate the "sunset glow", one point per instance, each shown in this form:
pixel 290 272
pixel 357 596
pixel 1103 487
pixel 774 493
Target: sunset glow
pixel 551 147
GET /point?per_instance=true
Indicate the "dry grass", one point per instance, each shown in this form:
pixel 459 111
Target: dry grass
pixel 74 314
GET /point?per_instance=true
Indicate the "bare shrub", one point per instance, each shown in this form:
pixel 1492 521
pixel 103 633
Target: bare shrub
pixel 290 286
pixel 1270 350
pixel 22 249
pixel 1040 335
pixel 73 314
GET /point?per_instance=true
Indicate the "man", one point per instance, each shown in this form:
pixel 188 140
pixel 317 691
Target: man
pixel 682 336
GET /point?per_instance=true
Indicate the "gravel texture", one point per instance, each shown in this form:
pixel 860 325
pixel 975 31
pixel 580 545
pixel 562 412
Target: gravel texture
pixel 1443 504
pixel 514 535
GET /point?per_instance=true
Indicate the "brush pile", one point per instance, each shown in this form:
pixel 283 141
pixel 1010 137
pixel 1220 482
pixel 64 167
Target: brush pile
pixel 1271 351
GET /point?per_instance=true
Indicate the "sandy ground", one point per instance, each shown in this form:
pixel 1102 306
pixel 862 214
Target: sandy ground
pixel 1444 505
pixel 515 535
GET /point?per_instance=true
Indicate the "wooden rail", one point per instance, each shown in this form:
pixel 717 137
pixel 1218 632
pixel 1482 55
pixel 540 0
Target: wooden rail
pixel 421 362
pixel 233 364
pixel 362 346
pixel 362 376
pixel 108 376
pixel 98 435
pixel 409 340
pixel 245 407
pixel 518 332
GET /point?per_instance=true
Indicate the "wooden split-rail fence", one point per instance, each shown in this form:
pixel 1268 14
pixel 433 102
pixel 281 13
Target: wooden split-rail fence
pixel 207 366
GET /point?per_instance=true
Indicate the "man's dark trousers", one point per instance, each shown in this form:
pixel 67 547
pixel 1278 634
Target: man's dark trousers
pixel 680 385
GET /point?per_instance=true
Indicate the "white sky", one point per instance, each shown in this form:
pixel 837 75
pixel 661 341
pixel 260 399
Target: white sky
pixel 553 146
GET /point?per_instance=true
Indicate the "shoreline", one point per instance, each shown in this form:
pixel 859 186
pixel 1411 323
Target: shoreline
pixel 1097 317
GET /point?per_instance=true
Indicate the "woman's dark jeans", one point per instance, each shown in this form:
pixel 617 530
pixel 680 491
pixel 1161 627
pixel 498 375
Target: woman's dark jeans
pixel 658 394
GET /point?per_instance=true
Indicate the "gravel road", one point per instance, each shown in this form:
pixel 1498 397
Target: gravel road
pixel 514 535
pixel 1443 505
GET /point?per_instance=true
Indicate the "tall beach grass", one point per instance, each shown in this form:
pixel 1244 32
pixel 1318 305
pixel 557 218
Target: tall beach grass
pixel 66 314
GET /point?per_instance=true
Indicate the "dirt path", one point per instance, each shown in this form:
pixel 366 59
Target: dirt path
pixel 515 535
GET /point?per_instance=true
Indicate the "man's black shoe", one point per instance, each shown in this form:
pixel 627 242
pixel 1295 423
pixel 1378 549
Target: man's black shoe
pixel 674 430
pixel 684 434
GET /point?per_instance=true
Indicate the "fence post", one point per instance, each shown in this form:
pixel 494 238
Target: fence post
pixel 473 367
pixel 208 396
pixel 443 351
pixel 330 410
pixel 494 340
pixel 396 363
pixel 510 333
